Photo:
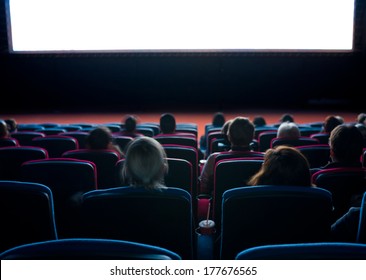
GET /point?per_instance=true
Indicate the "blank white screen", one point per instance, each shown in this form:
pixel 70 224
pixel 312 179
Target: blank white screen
pixel 177 25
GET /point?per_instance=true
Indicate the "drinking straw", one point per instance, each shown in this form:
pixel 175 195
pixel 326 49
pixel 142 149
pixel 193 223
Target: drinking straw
pixel 208 213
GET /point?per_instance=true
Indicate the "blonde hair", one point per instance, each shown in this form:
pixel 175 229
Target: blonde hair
pixel 145 164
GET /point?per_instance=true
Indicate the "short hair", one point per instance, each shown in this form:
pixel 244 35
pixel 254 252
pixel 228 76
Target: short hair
pixel 218 119
pixel 346 143
pixel 4 132
pixel 145 163
pixel 99 138
pixel 330 123
pixel 130 123
pixel 240 131
pixel 287 118
pixel 259 121
pixel 283 165
pixel 167 123
pixel 361 118
pixel 12 124
pixel 288 129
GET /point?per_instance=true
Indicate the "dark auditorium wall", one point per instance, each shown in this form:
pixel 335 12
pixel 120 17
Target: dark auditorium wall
pixel 138 82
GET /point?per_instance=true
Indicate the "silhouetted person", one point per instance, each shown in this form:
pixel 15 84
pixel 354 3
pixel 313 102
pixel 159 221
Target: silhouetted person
pixel 167 123
pixel 285 166
pixel 100 138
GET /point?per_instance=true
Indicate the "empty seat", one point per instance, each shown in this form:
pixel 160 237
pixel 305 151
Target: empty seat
pixel 56 145
pixel 80 136
pixel 26 213
pixel 317 155
pixel 105 161
pixel 160 218
pixel 25 137
pixel 305 251
pixel 361 234
pixel 88 249
pixel 11 158
pixel 345 184
pixel 8 142
pixel 264 215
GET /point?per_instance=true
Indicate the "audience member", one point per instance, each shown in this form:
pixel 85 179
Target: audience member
pixel 346 144
pixel 145 164
pixel 130 124
pixel 167 123
pixel 218 120
pixel 362 128
pixel 100 138
pixel 283 165
pixel 287 118
pixel 259 121
pixel 288 130
pixel 361 118
pixel 12 125
pixel 240 135
pixel 4 132
pixel 345 228
pixel 330 123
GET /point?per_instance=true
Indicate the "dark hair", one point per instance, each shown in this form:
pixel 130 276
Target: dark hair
pixel 346 143
pixel 259 121
pixel 99 138
pixel 361 118
pixel 167 123
pixel 218 119
pixel 130 123
pixel 330 123
pixel 283 165
pixel 287 118
pixel 240 132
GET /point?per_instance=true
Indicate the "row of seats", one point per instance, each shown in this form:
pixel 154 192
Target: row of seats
pixel 291 215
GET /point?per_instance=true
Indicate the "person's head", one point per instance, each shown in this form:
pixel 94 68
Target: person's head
pixel 330 123
pixel 130 123
pixel 259 121
pixel 145 163
pixel 218 119
pixel 4 132
pixel 12 124
pixel 346 144
pixel 167 123
pixel 361 118
pixel 288 130
pixel 283 165
pixel 225 129
pixel 287 118
pixel 99 138
pixel 362 128
pixel 240 132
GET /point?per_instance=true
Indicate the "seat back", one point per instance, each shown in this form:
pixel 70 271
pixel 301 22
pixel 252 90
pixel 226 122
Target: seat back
pixel 122 141
pixel 56 145
pixel 159 218
pixel 361 234
pixel 345 184
pixel 187 153
pixel 265 138
pixel 104 160
pixel 80 136
pixel 11 158
pixel 68 179
pixel 88 249
pixel 317 155
pixel 228 174
pixel 263 215
pixel 25 137
pixel 179 174
pixel 177 140
pixel 299 141
pixel 8 142
pixel 323 138
pixel 26 213
pixel 306 251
